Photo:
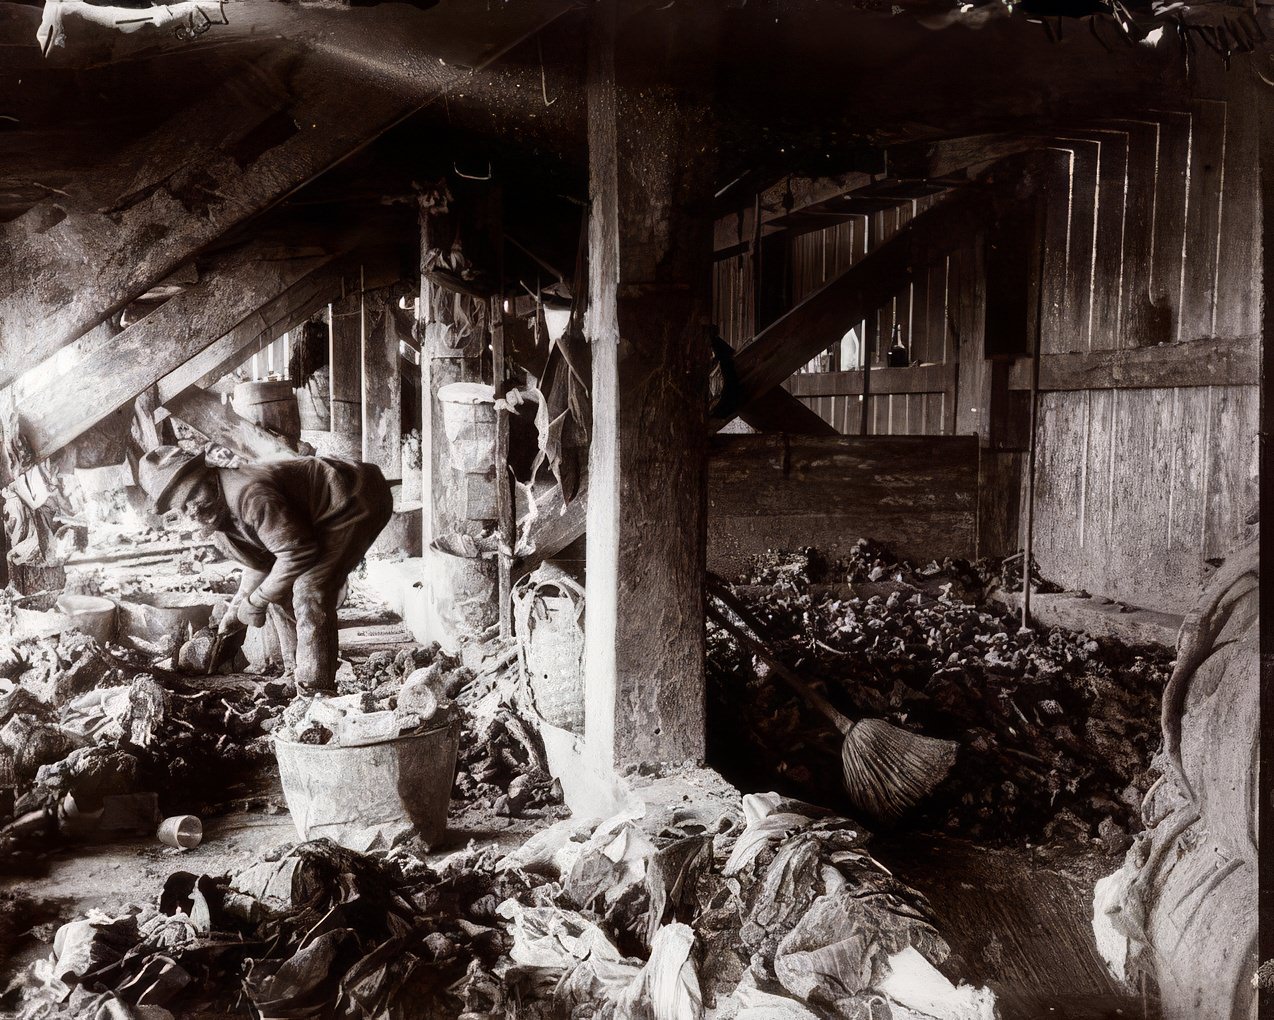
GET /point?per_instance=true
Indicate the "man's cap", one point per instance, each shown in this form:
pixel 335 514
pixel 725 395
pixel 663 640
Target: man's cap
pixel 167 474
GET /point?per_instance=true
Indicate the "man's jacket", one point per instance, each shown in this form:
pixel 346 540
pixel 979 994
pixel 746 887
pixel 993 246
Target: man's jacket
pixel 293 513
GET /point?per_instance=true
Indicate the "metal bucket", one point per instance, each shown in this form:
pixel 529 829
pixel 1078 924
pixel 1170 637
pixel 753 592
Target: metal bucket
pixel 89 614
pixel 162 615
pixel 340 792
pixel 466 590
pixel 468 420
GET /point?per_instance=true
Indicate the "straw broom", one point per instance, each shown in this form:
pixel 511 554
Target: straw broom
pixel 886 770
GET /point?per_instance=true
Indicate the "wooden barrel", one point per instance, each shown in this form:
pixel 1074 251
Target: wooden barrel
pixel 272 405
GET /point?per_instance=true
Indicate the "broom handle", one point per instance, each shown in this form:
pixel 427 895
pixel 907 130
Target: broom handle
pixel 819 702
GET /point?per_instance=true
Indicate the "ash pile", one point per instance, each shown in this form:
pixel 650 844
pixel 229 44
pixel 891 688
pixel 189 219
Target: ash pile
pixel 1056 730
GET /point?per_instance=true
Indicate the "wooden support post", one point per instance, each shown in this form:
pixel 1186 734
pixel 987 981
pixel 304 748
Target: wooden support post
pixel 345 368
pixel 650 240
pixel 382 386
pixel 451 337
pixel 503 483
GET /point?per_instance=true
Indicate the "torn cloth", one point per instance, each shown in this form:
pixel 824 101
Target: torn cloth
pixel 191 18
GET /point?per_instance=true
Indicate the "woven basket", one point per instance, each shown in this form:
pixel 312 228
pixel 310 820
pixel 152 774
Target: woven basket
pixel 548 617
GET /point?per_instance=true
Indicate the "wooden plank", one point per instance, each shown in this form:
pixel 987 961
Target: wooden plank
pixel 1139 231
pixel 1171 184
pixel 262 327
pixel 1112 190
pixel 1203 219
pixel 779 411
pixel 1233 492
pixel 1097 493
pixel 144 408
pixel 1217 362
pixel 914 379
pixel 1057 227
pixel 206 414
pixel 207 170
pixel 152 347
pixel 345 362
pixel 917 493
pixel 1076 328
pixel 1058 484
pixel 1237 311
pixel 969 316
pixel 1193 457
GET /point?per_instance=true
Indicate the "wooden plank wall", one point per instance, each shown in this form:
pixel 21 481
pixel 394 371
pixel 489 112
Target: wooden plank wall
pixel 734 298
pixel 1145 476
pixel 918 494
pixel 920 311
pixel 1139 485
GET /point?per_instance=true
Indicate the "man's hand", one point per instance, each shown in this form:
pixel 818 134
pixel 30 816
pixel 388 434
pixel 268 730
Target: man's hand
pixel 230 622
pixel 250 613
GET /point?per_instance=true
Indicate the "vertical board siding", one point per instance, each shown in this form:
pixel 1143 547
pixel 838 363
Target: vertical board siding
pixel 733 299
pixel 1139 231
pixel 1076 325
pixel 1239 257
pixel 1203 219
pixel 1137 489
pixel 1171 184
pixel 1108 259
pixel 1153 236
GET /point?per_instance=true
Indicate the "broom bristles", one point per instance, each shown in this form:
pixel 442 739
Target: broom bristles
pixel 887 770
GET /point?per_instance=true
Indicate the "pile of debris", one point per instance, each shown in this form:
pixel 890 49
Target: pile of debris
pixel 1056 730
pixel 97 739
pixel 675 914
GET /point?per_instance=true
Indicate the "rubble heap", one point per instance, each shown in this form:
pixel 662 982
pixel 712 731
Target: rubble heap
pixel 693 911
pixel 1056 730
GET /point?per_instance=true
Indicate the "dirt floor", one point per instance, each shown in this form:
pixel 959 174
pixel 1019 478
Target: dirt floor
pixel 1016 919
pixel 113 876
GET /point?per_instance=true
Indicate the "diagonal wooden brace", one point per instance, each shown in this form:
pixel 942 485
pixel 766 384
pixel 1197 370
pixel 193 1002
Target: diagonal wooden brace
pixel 115 370
pixel 792 340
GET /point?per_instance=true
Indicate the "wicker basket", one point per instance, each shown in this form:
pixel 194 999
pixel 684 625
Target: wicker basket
pixel 548 616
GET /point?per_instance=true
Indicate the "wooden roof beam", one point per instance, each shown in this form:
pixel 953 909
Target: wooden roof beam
pixel 120 368
pixel 77 259
pixel 262 327
pixel 205 413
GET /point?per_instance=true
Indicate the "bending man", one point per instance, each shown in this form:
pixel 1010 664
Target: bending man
pixel 298 526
